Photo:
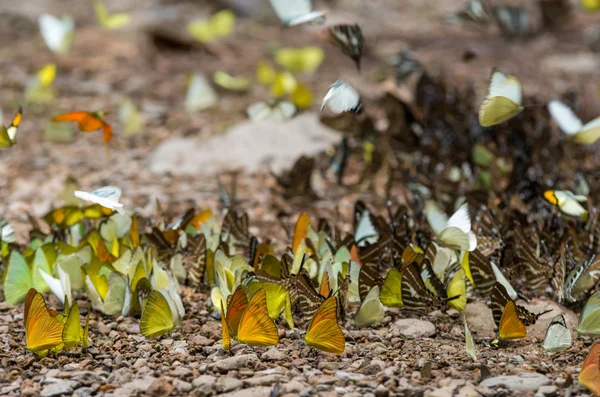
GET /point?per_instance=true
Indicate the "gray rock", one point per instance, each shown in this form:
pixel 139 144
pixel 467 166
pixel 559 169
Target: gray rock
pixel 250 146
pixel 236 362
pixel 274 355
pixel 139 363
pixel 413 328
pixel 260 391
pixel 547 391
pixel 343 375
pixel 292 386
pixel 83 392
pixel 525 382
pixel 134 387
pixel 58 388
pixel 226 384
pixel 267 380
pixel 381 391
pixel 204 385
pixel 480 319
pixel 182 386
pixel 179 347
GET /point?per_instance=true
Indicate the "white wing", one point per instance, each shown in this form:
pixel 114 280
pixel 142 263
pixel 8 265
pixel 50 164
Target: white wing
pixel 461 219
pixel 590 132
pixel 558 337
pixel 435 216
pixel 55 285
pixel 107 196
pixel 454 238
pixel 287 10
pixel 564 117
pixel 365 229
pixel 200 94
pixel 341 97
pixel 505 85
pixel 55 32
pixel 371 311
pixel 502 280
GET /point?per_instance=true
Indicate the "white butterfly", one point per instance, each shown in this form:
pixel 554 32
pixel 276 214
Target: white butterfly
pixel 107 196
pixel 568 202
pixel 281 111
pixel 371 311
pixel 558 337
pixel 7 232
pixel 341 97
pixel 61 286
pixel 572 125
pixel 296 12
pixel 452 233
pixel 503 101
pixel 504 281
pixel 57 33
pixel 200 94
pixel 365 232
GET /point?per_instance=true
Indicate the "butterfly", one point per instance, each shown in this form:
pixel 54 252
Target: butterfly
pixel 199 95
pixel 454 232
pixel 160 315
pixel 350 40
pixel 300 60
pixel 324 332
pixel 19 277
pixel 194 259
pixel 8 135
pixel 248 321
pixel 57 33
pixel 511 327
pixel 60 287
pixel 371 310
pixel 558 337
pixel 110 21
pixel 589 319
pixel 503 101
pixel 406 64
pixel 572 125
pixel 297 181
pixel 500 300
pixel 479 271
pixel 514 22
pixel 219 25
pixel 88 122
pixel 469 344
pixel 107 196
pixel 568 203
pixel 342 97
pixel 475 11
pixel 296 12
pixel 590 372
pixel 131 119
pixel 43 327
pixel 73 334
pixel 279 111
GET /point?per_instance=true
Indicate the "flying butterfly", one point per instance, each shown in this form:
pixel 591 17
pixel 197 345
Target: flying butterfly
pixel 572 125
pixel 350 40
pixel 57 33
pixel 107 196
pixel 503 101
pixel 296 12
pixel 324 332
pixel 8 134
pixel 342 97
pixel 107 20
pixel 558 337
pixel 88 122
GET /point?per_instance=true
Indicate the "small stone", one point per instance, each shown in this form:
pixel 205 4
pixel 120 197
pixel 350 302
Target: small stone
pixel 468 390
pixel 274 355
pixel 349 376
pixel 179 347
pixel 525 382
pixel 182 386
pixel 266 380
pixel 59 388
pixel 260 391
pixel 516 360
pixel 203 380
pixel 139 363
pixel 322 380
pixel 160 387
pixel 226 384
pixel 330 365
pixel 83 392
pixel 292 386
pixel 547 391
pixel 381 391
pixel 236 362
pixel 31 392
pixel 413 328
pixel 102 328
pixel 201 340
pixel 119 359
pixel 448 349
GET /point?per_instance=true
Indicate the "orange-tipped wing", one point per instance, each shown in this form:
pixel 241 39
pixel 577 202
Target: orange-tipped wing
pixel 236 306
pixel 590 373
pixel 300 230
pixel 86 121
pixel 42 330
pixel 323 332
pixel 256 327
pixel 226 340
pixel 324 288
pixel 511 327
pixel 107 132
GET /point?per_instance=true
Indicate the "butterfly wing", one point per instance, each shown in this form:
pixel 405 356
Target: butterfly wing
pixel 256 327
pixel 371 311
pixel 8 135
pixel 42 330
pixel 157 317
pixel 18 279
pixel 589 133
pixel 503 101
pixel 71 334
pixel 236 305
pixel 323 331
pixel 86 121
pixel 391 291
pixel 226 339
pixel 589 319
pixel 590 373
pixel 511 327
pixel 558 337
pixel 469 344
pixel 564 117
pixel 341 97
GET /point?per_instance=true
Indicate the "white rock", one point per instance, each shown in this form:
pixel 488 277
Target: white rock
pixel 525 382
pixel 58 388
pixel 413 328
pixel 246 361
pixel 226 384
pixel 250 146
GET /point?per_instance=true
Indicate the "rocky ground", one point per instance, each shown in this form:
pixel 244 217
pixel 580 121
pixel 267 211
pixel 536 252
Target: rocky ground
pixel 406 355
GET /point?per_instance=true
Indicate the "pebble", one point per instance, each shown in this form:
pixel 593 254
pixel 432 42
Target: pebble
pixel 547 391
pixel 226 384
pixel 260 391
pixel 236 362
pixel 322 380
pixel 349 376
pixel 267 380
pixel 58 388
pixel 413 328
pixel 203 385
pixel 160 387
pixel 139 363
pixel 381 391
pixel 525 382
pixel 292 386
pixel 182 386
pixel 274 355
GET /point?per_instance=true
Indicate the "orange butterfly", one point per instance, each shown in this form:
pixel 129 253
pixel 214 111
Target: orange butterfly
pixel 249 321
pixel 88 122
pixel 590 373
pixel 323 331
pixel 511 326
pixel 300 230
pixel 43 330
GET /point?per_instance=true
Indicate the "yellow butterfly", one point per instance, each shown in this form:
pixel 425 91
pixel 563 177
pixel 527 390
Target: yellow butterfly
pixel 8 135
pixel 511 327
pixel 43 329
pixel 590 373
pixel 324 332
pixel 220 25
pixel 20 278
pixel 108 21
pixel 300 60
pixel 248 321
pixel 160 316
pixel 503 101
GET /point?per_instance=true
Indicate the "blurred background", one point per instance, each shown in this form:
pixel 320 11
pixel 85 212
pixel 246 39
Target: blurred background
pixel 153 64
